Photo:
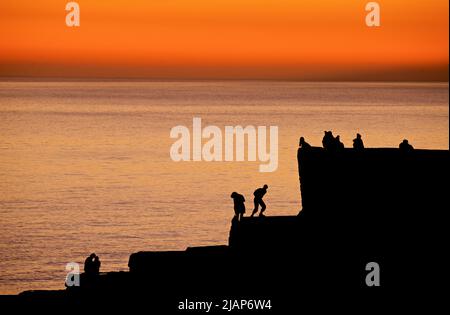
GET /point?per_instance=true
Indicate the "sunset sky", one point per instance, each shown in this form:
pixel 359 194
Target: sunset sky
pixel 226 39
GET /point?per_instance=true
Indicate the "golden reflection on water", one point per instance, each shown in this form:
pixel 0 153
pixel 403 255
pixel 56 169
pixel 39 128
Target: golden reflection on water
pixel 85 166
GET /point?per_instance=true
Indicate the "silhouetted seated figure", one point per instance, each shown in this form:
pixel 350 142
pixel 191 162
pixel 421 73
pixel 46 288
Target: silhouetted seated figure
pixel 259 194
pixel 358 143
pixel 96 265
pixel 239 206
pixel 328 141
pixel 88 264
pixel 92 265
pixel 303 144
pixel 339 145
pixel 405 146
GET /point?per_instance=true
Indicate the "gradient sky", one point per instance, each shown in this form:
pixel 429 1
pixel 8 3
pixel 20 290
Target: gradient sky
pixel 226 39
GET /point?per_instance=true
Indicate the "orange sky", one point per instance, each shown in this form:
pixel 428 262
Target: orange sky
pixel 264 39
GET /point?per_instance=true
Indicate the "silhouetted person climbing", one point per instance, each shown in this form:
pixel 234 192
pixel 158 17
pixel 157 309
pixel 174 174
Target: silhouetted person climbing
pixel 358 143
pixel 339 145
pixel 328 141
pixel 405 146
pixel 239 206
pixel 303 144
pixel 259 194
pixel 92 265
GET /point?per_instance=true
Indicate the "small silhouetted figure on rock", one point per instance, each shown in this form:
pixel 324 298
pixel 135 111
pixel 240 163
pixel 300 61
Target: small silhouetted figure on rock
pixel 92 265
pixel 259 194
pixel 239 206
pixel 88 264
pixel 339 145
pixel 303 144
pixel 96 265
pixel 328 141
pixel 405 146
pixel 358 143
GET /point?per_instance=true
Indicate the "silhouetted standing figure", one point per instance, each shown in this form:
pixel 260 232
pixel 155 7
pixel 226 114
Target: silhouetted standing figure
pixel 259 194
pixel 405 146
pixel 358 143
pixel 303 144
pixel 339 144
pixel 239 206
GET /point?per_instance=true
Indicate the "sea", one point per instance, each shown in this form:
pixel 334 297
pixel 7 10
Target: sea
pixel 85 166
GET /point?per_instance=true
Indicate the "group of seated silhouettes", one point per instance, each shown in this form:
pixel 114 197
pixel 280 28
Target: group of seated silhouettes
pixel 92 265
pixel 239 203
pixel 332 143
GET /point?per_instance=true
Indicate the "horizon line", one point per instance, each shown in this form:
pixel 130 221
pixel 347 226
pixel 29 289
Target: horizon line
pixel 162 79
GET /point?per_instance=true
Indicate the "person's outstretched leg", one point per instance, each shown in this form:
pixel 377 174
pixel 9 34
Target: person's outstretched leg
pixel 255 201
pixel 263 207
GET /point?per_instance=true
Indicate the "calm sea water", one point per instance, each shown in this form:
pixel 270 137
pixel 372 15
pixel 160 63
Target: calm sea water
pixel 85 166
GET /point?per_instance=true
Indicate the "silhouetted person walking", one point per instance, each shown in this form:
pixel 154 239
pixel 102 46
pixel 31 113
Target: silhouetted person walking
pixel 405 146
pixel 303 144
pixel 358 143
pixel 239 206
pixel 259 194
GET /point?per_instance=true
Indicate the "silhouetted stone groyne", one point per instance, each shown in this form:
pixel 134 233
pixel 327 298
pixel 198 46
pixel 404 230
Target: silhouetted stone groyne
pixel 379 205
pixel 374 191
pixel 377 195
pixel 149 262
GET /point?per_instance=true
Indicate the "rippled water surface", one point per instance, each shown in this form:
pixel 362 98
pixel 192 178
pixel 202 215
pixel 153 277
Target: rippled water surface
pixel 85 166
